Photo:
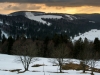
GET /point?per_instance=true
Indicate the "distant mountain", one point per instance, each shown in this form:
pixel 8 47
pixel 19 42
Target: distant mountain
pixel 94 17
pixel 23 13
pixel 40 24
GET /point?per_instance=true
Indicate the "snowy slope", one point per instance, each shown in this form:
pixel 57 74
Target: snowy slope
pixel 70 17
pixel 8 62
pixel 91 35
pixel 3 33
pixel 92 21
pixel 39 18
pixel 1 22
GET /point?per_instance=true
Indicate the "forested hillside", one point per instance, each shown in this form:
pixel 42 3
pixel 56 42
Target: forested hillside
pixel 40 25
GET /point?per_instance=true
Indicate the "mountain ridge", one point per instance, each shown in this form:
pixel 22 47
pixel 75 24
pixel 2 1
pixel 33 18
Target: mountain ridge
pixel 41 24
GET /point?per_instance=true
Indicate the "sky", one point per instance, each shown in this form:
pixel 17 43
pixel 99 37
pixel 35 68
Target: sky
pixel 51 6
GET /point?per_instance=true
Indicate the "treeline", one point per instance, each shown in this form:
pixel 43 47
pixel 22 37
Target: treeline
pixel 58 46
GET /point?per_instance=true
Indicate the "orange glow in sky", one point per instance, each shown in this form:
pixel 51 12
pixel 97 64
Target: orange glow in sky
pixel 6 8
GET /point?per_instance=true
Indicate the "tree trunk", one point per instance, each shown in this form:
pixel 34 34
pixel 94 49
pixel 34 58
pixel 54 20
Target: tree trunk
pixel 60 69
pixel 92 72
pixel 60 64
pixel 26 69
pixel 84 68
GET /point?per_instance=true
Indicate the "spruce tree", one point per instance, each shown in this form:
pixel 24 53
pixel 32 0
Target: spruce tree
pixel 3 39
pixel 10 44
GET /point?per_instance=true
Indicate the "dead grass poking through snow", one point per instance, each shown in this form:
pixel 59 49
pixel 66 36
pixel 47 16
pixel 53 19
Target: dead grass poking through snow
pixel 96 70
pixel 72 66
pixel 15 70
pixel 38 65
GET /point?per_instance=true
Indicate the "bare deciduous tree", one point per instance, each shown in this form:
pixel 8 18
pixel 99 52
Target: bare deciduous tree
pixel 59 53
pixel 93 61
pixel 92 64
pixel 26 51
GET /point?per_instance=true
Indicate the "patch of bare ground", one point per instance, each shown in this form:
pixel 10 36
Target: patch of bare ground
pixel 72 66
pixel 57 72
pixel 96 70
pixel 15 70
pixel 38 65
pixel 35 71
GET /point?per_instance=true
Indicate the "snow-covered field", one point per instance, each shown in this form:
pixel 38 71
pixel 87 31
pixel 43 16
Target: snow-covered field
pixel 91 35
pixel 39 18
pixel 8 62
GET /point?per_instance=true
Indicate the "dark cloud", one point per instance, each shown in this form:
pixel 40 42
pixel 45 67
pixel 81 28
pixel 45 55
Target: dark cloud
pixel 59 2
pixel 22 7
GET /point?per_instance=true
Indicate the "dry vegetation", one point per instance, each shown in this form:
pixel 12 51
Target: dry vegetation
pixel 38 65
pixel 15 70
pixel 72 66
pixel 96 70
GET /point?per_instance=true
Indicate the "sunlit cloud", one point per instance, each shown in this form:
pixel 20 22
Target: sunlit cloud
pixel 6 8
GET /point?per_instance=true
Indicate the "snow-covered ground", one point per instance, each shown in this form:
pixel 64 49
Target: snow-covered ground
pixel 1 22
pixel 3 33
pixel 8 62
pixel 70 17
pixel 39 18
pixel 91 35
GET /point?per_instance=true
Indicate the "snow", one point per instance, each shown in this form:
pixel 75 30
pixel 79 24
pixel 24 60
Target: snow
pixel 39 29
pixel 39 18
pixel 3 33
pixel 65 31
pixel 92 21
pixel 91 35
pixel 1 22
pixel 8 62
pixel 71 17
pixel 20 27
pixel 7 23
